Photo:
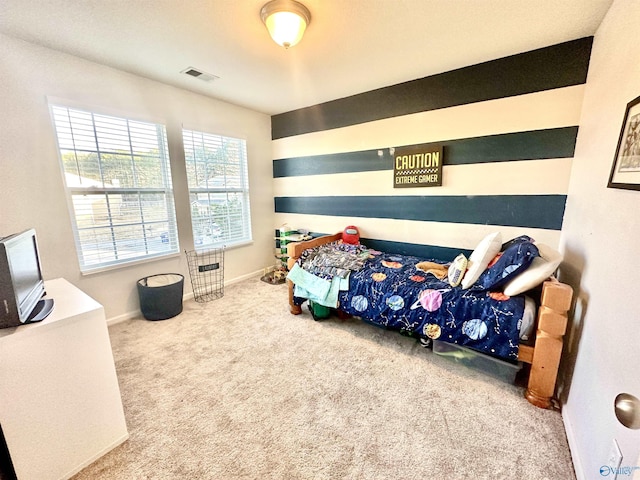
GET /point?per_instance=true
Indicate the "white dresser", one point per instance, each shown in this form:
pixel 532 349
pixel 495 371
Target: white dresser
pixel 60 404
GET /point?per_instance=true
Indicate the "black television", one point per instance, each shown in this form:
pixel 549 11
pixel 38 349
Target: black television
pixel 21 283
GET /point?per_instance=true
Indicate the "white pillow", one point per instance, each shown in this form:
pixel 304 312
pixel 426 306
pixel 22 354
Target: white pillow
pixel 528 318
pixel 541 268
pixel 480 258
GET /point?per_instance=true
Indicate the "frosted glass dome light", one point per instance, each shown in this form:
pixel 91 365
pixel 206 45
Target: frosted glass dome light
pixel 286 21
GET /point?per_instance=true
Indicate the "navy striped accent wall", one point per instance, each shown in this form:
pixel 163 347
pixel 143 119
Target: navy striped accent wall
pixel 547 68
pixel 528 211
pixel 405 248
pixel 417 250
pixel 508 127
pixel 539 144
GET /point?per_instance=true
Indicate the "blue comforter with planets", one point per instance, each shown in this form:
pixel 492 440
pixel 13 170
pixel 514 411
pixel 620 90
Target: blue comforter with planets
pixel 391 292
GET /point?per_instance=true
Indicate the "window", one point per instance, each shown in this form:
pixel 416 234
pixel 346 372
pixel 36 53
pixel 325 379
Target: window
pixel 118 184
pixel 218 189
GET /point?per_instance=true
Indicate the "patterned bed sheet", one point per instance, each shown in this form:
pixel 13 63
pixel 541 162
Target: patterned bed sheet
pixel 391 292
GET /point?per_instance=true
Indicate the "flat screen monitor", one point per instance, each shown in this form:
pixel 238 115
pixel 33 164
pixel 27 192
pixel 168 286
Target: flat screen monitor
pixel 21 282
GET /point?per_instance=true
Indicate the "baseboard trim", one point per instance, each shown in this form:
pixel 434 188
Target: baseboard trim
pixel 187 296
pixel 577 466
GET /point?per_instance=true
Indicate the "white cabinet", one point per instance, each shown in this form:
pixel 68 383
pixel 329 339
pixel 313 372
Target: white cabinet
pixel 60 404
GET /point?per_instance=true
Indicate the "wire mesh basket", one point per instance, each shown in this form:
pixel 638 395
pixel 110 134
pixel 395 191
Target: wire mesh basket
pixel 206 270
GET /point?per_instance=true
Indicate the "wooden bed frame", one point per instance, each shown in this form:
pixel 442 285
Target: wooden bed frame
pixel 543 355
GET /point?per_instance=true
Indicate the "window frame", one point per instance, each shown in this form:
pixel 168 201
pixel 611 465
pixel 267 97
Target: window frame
pixel 72 192
pixel 242 190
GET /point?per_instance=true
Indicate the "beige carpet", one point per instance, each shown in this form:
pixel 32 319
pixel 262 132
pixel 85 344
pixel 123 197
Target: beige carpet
pixel 239 388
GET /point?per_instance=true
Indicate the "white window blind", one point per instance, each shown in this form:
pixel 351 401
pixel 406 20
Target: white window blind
pixel 118 184
pixel 218 189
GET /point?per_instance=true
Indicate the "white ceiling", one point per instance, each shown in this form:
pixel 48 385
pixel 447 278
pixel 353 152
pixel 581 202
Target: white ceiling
pixel 351 46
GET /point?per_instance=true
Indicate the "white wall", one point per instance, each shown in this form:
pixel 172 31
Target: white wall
pixel 600 240
pixel 31 184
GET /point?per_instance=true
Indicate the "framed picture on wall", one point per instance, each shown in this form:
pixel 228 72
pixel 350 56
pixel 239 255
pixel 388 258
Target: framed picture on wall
pixel 625 172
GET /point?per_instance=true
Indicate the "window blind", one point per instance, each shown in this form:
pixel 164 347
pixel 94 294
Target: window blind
pixel 218 189
pixel 118 183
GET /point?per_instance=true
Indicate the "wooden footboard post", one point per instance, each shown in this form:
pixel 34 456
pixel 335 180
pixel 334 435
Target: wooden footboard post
pixel 294 250
pixel 555 302
pixel 293 308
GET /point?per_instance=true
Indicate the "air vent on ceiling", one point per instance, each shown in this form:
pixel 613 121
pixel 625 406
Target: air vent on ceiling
pixel 199 74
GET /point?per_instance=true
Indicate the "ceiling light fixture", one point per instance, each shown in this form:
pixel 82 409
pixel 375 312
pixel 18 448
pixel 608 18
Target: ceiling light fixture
pixel 286 21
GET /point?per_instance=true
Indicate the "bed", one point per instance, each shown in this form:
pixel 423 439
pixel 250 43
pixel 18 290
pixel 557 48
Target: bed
pixel 411 295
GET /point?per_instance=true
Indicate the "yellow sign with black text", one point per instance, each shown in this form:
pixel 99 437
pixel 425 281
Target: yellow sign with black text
pixel 417 166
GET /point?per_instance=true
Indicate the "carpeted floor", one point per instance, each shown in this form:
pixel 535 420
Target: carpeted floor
pixel 239 388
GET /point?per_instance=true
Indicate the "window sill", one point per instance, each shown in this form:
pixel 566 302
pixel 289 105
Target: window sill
pixel 129 264
pixel 233 246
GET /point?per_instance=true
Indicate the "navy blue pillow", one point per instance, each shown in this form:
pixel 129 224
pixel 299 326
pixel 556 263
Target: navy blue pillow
pixel 514 260
pixel 514 241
